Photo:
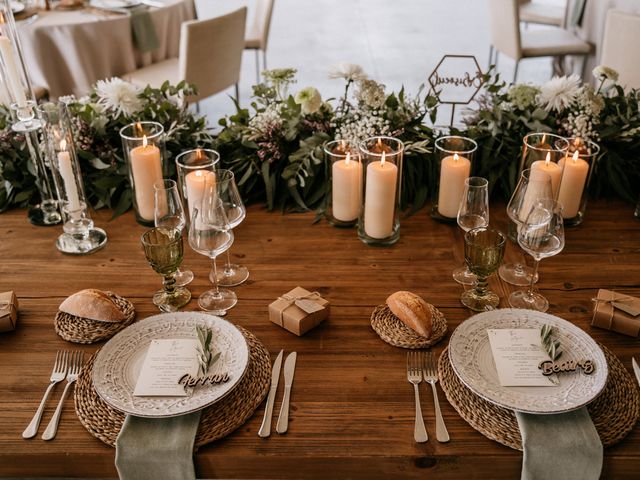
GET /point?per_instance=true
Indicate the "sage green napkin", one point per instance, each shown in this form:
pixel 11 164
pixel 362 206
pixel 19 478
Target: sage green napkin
pixel 153 448
pixel 145 37
pixel 565 446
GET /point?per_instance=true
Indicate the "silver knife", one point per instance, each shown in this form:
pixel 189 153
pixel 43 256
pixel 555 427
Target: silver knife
pixel 636 369
pixel 265 428
pixel 289 370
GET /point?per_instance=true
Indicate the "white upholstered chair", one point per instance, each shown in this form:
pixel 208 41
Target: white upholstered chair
pixel 210 57
pixel 621 46
pixel 507 38
pixel 542 13
pixel 258 35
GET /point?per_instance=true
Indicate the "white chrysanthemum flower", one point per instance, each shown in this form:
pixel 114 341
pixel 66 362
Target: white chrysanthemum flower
pixel 559 92
pixel 349 71
pixel 119 96
pixel 370 93
pixel 602 72
pixel 309 99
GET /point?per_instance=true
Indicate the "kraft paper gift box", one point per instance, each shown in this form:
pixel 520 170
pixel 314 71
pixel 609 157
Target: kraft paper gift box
pixel 299 310
pixel 8 311
pixel 617 312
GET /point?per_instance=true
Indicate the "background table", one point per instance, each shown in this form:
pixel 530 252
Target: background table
pixel 352 410
pixel 68 51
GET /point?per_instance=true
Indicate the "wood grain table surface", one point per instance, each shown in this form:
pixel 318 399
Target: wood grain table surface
pixel 352 409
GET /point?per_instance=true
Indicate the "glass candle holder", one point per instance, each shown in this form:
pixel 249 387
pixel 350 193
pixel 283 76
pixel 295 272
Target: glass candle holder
pixel 379 219
pixel 577 166
pixel 454 162
pixel 192 167
pixel 345 178
pixel 544 152
pixel 143 147
pixel 80 237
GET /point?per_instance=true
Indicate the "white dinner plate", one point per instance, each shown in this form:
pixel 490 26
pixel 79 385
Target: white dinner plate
pixel 118 364
pixel 472 361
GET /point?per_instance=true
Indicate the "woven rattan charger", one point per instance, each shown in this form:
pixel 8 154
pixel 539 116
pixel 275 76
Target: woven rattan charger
pixel 390 329
pixel 614 413
pixel 84 330
pixel 217 421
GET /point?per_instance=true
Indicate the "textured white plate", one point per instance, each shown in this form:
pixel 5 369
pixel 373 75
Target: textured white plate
pixel 118 364
pixel 472 360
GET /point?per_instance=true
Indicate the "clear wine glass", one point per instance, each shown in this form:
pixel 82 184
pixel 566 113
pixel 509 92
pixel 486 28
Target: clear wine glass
pixel 210 235
pixel 532 186
pixel 168 211
pixel 233 274
pixel 541 235
pixel 472 213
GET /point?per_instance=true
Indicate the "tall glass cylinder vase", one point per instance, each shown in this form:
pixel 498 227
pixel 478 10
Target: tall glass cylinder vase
pixel 379 220
pixel 454 164
pixel 80 237
pixel 544 152
pixel 143 147
pixel 193 166
pixel 345 178
pixel 577 168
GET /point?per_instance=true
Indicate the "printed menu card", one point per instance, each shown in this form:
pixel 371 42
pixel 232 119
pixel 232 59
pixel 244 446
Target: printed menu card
pixel 517 354
pixel 166 362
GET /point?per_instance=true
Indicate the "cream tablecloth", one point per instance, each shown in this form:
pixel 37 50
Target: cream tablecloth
pixel 68 51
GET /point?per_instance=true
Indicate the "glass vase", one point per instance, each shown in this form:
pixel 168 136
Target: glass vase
pixel 345 179
pixel 192 167
pixel 544 152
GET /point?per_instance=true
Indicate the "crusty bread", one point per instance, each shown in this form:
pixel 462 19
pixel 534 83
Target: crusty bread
pixel 413 311
pixel 92 304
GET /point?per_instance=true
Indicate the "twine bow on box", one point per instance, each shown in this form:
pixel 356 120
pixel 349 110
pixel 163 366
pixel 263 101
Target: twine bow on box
pixel 304 302
pixel 605 315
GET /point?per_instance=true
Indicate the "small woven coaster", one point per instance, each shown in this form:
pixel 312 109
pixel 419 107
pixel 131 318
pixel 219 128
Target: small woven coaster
pixel 394 332
pixel 84 330
pixel 614 413
pixel 217 421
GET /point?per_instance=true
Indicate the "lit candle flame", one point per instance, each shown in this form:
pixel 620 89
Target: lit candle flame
pixel 2 20
pixel 577 142
pixel 343 145
pixel 144 140
pixel 455 157
pixel 544 138
pixel 548 159
pixel 199 154
pixel 575 156
pixel 383 161
pixel 347 160
pixel 379 144
pixel 63 144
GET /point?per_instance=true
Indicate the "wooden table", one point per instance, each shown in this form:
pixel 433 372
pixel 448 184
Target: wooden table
pixel 352 408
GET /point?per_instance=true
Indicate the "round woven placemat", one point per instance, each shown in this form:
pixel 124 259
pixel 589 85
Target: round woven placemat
pixel 217 421
pixel 614 413
pixel 394 332
pixel 84 330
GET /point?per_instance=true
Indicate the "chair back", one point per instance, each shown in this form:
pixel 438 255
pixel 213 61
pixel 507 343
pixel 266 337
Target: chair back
pixel 504 24
pixel 262 21
pixel 211 52
pixel 621 46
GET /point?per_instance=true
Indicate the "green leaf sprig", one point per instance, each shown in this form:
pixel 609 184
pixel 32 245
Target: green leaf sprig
pixel 205 356
pixel 549 345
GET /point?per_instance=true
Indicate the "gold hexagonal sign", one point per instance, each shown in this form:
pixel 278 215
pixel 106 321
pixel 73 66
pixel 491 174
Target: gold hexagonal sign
pixel 456 79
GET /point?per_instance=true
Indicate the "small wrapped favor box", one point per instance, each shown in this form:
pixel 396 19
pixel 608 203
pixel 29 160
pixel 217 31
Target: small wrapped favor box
pixel 299 310
pixel 617 312
pixel 8 311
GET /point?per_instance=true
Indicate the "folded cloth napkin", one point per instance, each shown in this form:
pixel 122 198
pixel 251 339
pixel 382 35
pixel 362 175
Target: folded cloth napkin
pixel 145 37
pixel 153 448
pixel 565 445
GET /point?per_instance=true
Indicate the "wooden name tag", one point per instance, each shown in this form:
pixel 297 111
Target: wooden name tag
pixel 549 368
pixel 189 381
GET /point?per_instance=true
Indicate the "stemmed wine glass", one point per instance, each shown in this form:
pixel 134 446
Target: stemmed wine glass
pixel 541 235
pixel 210 235
pixel 168 211
pixel 232 274
pixel 472 213
pixel 533 185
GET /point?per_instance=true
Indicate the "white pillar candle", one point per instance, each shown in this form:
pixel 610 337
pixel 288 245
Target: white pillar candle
pixel 553 169
pixel 380 198
pixel 195 183
pixel 574 178
pixel 454 170
pixel 537 189
pixel 345 189
pixel 146 169
pixel 65 167
pixel 14 85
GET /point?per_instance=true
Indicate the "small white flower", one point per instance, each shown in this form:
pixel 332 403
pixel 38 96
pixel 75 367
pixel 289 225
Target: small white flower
pixel 67 99
pixel 559 92
pixel 119 96
pixel 370 93
pixel 310 100
pixel 602 72
pixel 349 71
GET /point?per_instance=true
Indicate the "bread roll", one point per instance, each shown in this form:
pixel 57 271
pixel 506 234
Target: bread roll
pixel 413 311
pixel 92 304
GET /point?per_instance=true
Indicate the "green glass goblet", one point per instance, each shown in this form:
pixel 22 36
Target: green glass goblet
pixel 483 252
pixel 164 251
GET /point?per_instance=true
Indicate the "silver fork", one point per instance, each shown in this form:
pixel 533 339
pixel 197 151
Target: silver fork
pixel 59 371
pixel 75 365
pixel 431 376
pixel 414 375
